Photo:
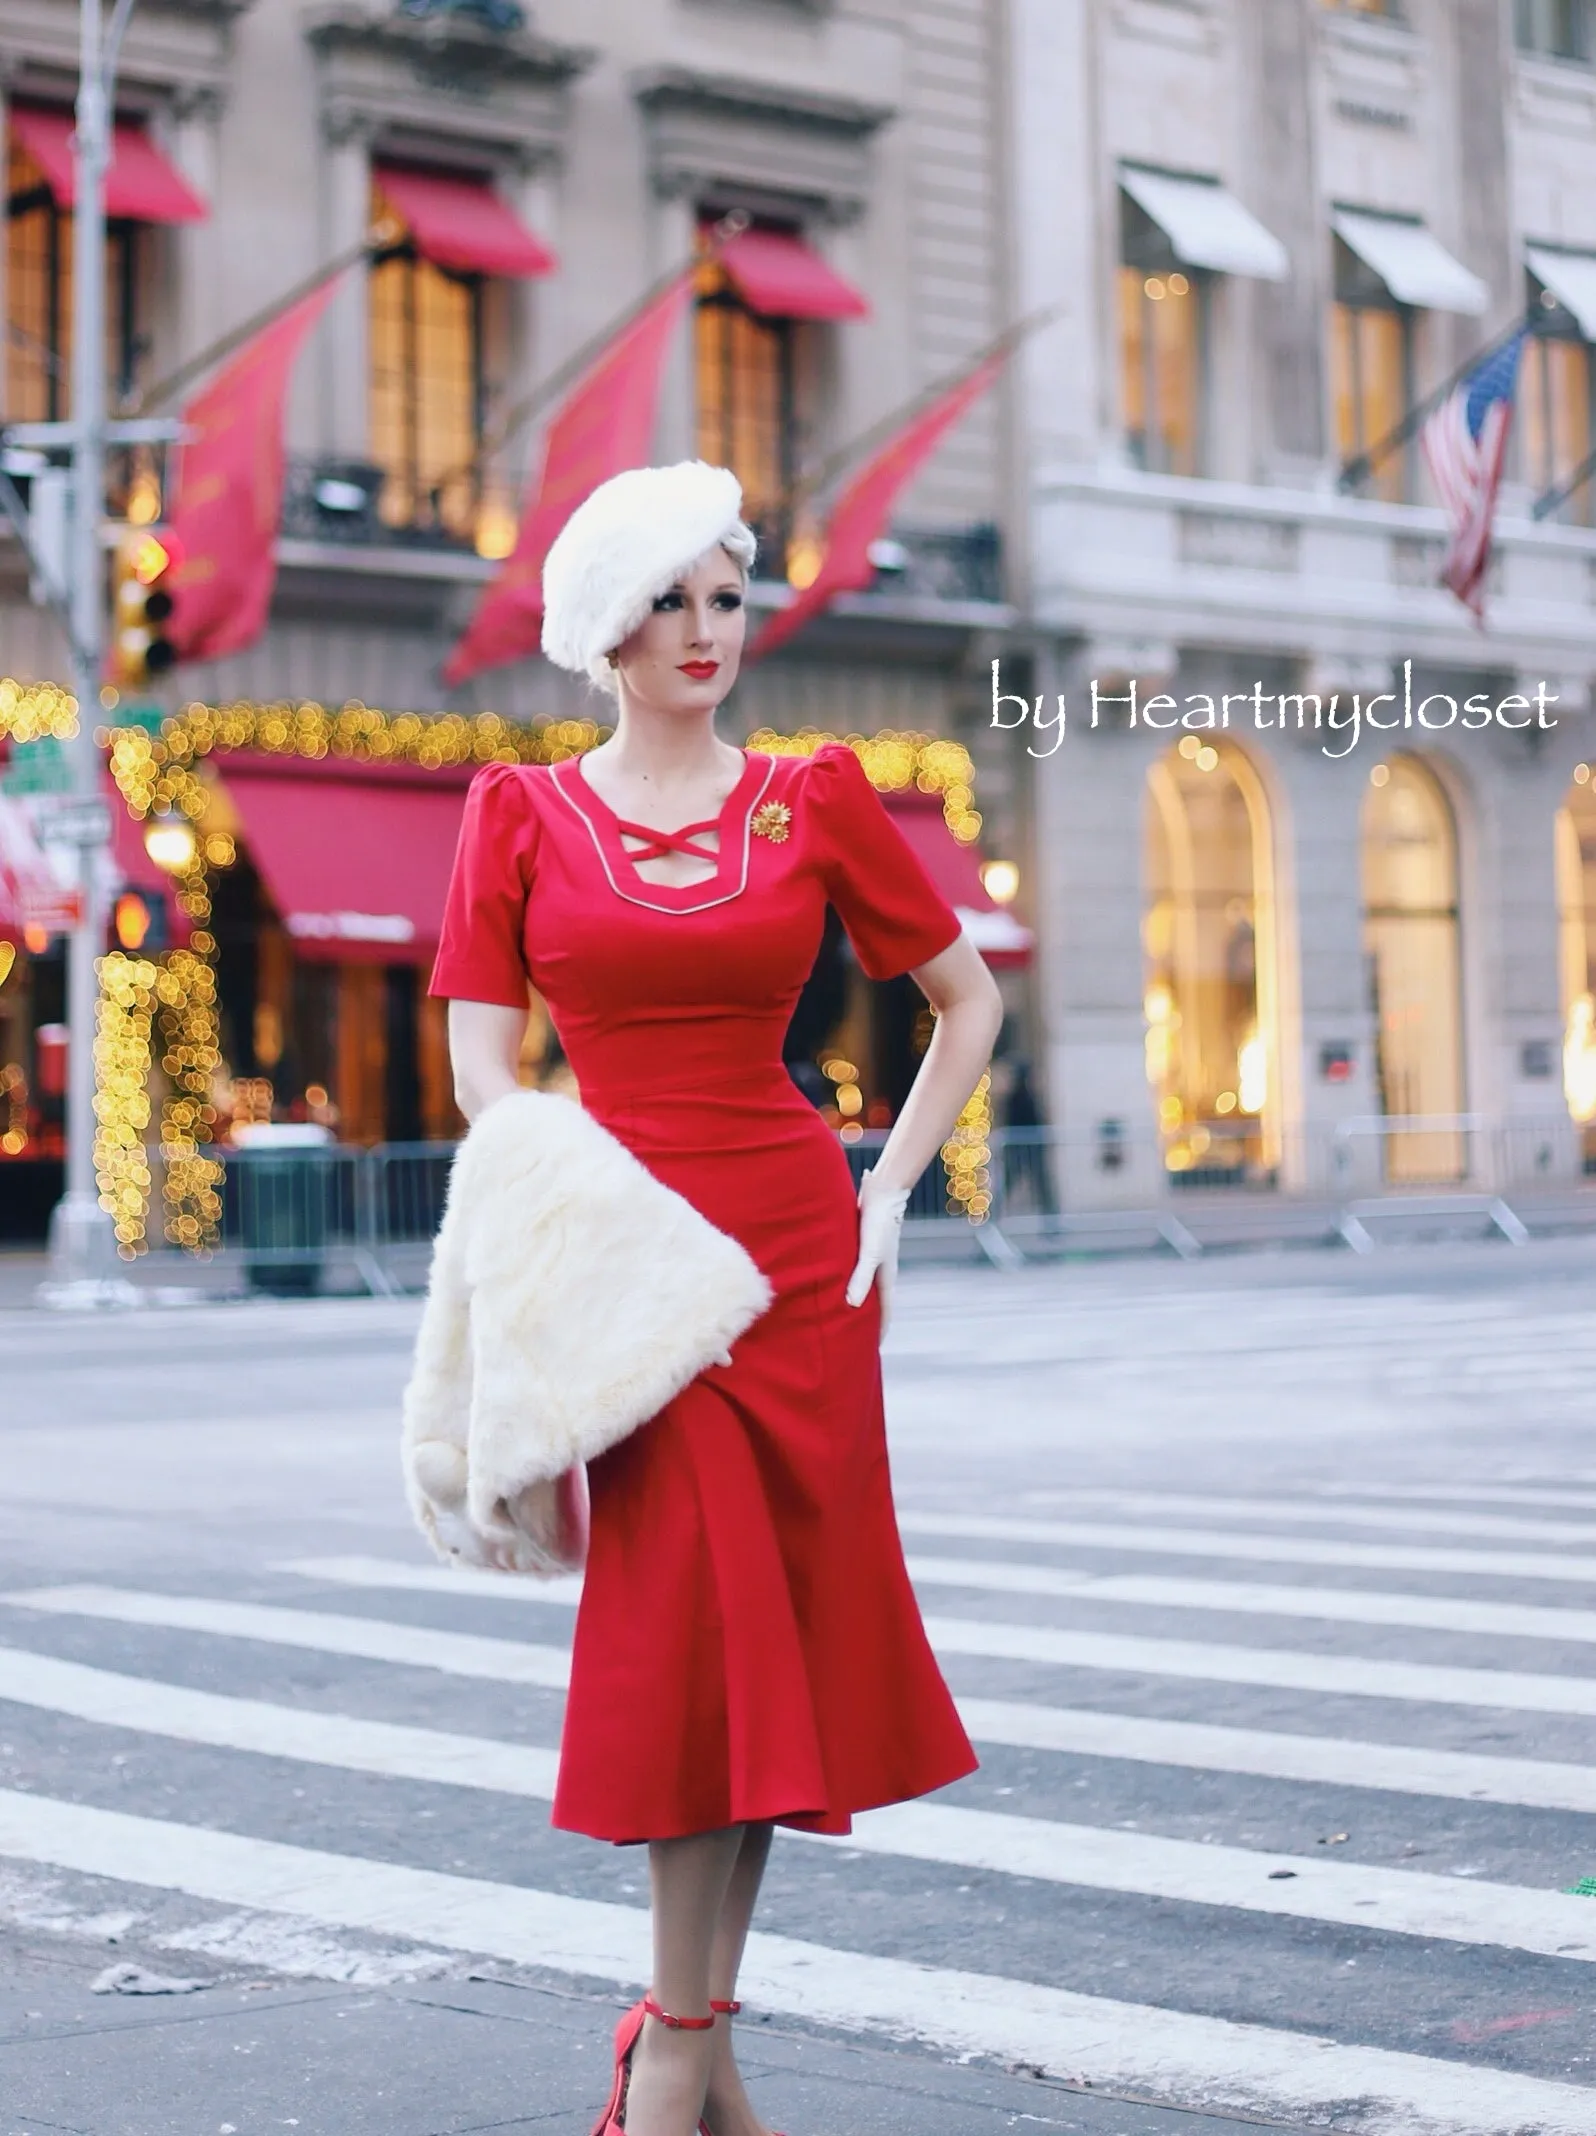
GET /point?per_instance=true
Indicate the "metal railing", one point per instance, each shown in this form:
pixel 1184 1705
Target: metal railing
pixel 296 1221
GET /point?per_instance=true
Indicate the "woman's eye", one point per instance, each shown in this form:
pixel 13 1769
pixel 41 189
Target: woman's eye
pixel 667 604
pixel 729 601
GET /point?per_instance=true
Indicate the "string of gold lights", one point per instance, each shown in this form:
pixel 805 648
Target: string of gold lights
pixel 173 1012
pixel 967 1157
pixel 122 1093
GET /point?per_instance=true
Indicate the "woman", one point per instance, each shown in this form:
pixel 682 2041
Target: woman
pixel 748 1650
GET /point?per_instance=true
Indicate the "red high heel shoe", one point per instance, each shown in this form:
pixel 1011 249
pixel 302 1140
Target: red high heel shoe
pixel 627 2033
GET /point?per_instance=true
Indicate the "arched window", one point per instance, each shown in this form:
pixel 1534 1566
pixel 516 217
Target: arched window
pixel 1209 940
pixel 1411 944
pixel 1576 942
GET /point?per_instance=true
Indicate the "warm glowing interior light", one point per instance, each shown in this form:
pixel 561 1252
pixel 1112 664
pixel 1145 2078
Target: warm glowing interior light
pixel 804 557
pixel 171 845
pixel 1154 288
pixel 1178 285
pixel 1225 1102
pixel 496 530
pixel 1252 1074
pixel 1579 1059
pixel 144 500
pixel 1001 881
pixel 840 1071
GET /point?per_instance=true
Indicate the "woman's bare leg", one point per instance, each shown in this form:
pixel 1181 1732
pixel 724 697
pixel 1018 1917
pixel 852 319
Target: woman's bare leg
pixel 670 2069
pixel 727 2107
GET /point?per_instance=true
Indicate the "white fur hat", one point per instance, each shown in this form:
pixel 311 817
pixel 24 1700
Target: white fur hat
pixel 628 543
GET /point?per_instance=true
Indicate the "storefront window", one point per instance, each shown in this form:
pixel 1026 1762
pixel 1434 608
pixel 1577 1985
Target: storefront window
pixel 38 293
pixel 1162 348
pixel 1411 946
pixel 1576 942
pixel 749 393
pixel 429 333
pixel 1369 383
pixel 1555 400
pixel 1208 938
pixel 1560 29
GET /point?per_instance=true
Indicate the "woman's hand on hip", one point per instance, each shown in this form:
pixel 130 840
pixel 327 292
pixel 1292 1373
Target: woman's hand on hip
pixel 880 1229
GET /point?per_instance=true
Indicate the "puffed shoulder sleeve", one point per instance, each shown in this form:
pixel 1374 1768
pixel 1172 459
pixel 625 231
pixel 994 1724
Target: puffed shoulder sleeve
pixel 481 946
pixel 895 916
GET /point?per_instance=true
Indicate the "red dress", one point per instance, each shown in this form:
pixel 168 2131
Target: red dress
pixel 748 1644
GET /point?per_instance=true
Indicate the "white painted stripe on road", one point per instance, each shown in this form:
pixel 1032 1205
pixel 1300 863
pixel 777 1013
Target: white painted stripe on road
pixel 1342 1514
pixel 1323 1761
pixel 1434 1613
pixel 1298 1887
pixel 1397 1901
pixel 1251 1549
pixel 505 1661
pixel 425 1579
pixel 510 1661
pixel 512 1768
pixel 1265 1667
pixel 1355 1676
pixel 312 1738
pixel 1195 2062
pixel 1439 1613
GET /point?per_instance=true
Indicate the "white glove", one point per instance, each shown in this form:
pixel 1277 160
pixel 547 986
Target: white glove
pixel 880 1230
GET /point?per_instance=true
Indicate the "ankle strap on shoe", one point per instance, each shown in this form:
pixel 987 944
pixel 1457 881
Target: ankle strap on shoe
pixel 676 2024
pixel 724 2009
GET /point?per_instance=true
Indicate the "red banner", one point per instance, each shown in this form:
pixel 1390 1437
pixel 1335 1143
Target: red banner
pixel 603 426
pixel 230 491
pixel 861 511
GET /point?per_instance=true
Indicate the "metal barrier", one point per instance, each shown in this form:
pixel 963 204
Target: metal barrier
pixel 292 1218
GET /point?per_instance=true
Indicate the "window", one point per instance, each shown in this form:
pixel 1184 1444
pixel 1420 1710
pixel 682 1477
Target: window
pixel 38 354
pixel 750 390
pixel 1371 372
pixel 1162 340
pixel 1560 29
pixel 1412 955
pixel 1390 9
pixel 1208 934
pixel 430 331
pixel 1556 392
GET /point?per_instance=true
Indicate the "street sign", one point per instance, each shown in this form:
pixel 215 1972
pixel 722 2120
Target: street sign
pixel 73 821
pixel 37 767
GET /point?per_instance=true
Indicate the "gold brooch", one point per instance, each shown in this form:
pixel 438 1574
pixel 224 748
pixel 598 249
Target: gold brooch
pixel 773 821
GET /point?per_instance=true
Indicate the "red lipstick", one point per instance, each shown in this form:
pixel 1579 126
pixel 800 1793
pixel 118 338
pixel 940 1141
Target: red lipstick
pixel 700 670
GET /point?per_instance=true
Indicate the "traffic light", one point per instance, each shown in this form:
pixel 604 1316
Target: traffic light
pixel 141 647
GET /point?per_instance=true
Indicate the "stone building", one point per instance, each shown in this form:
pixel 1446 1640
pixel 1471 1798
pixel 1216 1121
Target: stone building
pixel 518 178
pixel 1269 227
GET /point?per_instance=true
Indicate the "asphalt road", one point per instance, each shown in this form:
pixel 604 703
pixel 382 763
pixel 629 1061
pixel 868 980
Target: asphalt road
pixel 1267 1586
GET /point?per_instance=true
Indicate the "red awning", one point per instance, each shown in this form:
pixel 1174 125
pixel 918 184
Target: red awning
pixel 462 223
pixel 140 186
pixel 356 857
pixel 956 871
pixel 781 276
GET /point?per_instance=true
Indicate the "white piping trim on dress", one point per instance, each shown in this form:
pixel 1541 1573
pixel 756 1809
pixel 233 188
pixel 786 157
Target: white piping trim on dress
pixel 577 809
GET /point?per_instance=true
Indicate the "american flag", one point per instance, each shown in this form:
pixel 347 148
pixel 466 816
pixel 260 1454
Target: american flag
pixel 1465 446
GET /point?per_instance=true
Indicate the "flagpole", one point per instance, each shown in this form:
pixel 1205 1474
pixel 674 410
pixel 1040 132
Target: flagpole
pixel 1000 344
pixel 1362 464
pixel 196 366
pixel 1548 501
pixel 563 374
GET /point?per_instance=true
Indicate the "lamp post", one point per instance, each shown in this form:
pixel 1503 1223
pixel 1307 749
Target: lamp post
pixel 83 1255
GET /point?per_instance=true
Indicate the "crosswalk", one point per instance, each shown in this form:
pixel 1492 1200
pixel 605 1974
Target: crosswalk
pixel 1137 1771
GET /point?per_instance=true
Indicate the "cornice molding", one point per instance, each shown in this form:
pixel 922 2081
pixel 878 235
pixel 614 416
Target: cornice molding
pixel 732 140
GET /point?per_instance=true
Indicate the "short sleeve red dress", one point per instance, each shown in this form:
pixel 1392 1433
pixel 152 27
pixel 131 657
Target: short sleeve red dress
pixel 748 1645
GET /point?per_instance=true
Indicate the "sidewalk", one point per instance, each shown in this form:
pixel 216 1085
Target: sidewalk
pixel 445 2058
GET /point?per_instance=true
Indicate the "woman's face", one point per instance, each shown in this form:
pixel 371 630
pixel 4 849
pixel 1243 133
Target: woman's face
pixel 684 657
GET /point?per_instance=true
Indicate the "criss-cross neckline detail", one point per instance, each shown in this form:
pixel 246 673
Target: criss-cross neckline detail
pixel 610 831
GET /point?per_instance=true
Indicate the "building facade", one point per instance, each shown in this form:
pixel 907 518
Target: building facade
pixel 504 183
pixel 1279 947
